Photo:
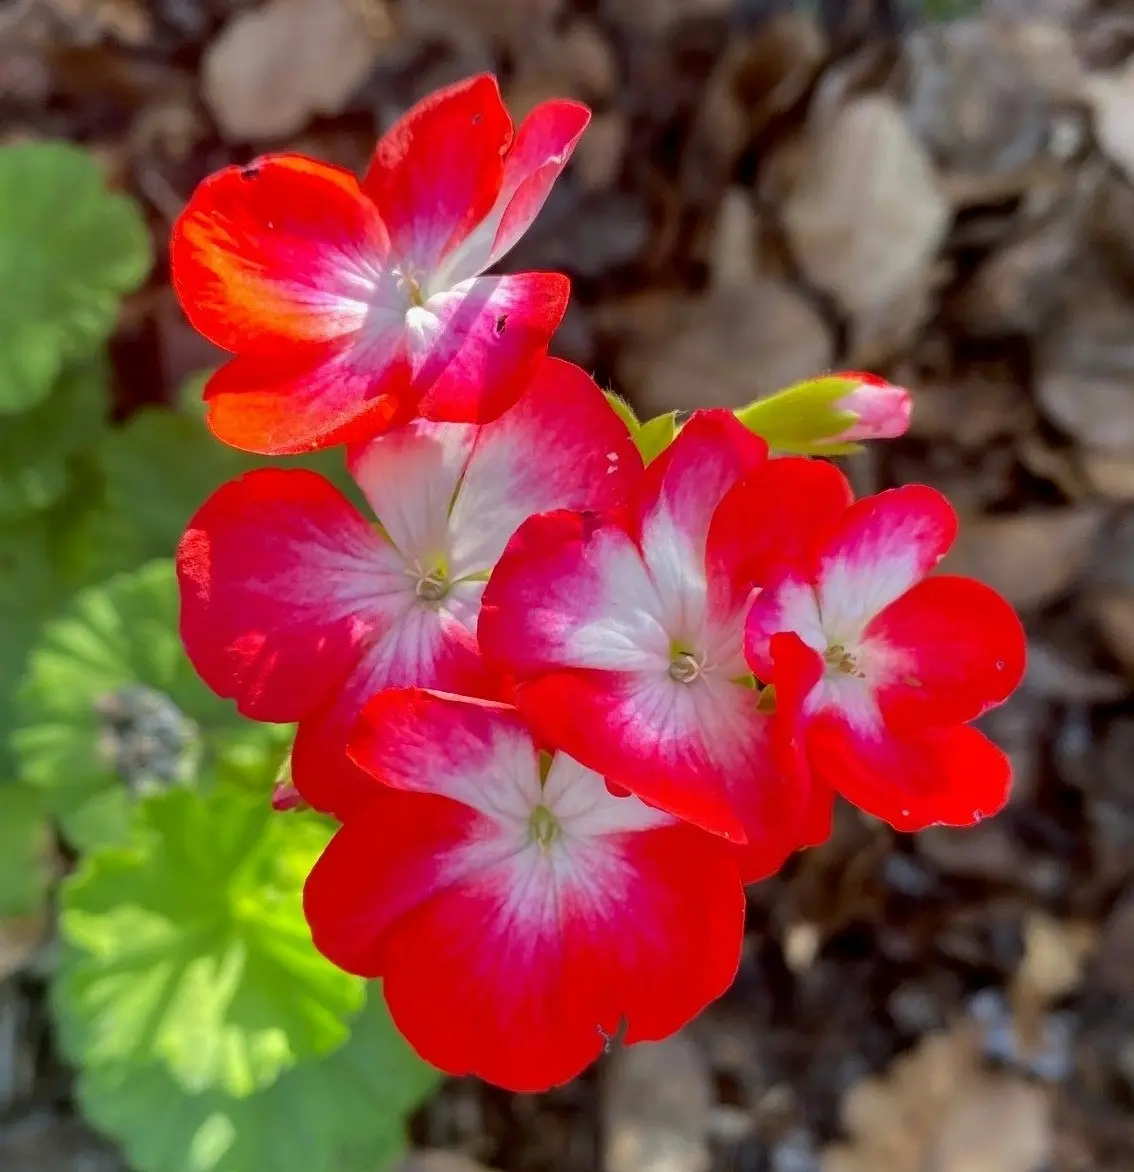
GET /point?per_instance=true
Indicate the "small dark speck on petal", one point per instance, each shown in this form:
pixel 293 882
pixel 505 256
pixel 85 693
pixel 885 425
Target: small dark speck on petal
pixel 501 322
pixel 251 171
pixel 477 119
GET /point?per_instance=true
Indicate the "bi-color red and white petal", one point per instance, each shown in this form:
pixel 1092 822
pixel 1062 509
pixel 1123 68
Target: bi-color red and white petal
pixel 518 914
pixel 350 307
pixel 889 664
pixel 624 634
pixel 299 608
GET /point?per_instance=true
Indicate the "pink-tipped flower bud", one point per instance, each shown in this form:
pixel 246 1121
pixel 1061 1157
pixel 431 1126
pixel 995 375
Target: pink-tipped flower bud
pixel 882 409
pixel 286 797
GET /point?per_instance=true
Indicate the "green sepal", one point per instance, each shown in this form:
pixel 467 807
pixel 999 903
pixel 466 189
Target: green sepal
pixel 652 436
pixel 186 948
pixel 802 419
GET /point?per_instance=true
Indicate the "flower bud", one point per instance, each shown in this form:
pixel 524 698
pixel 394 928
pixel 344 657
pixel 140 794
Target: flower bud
pixel 881 409
pixel 829 415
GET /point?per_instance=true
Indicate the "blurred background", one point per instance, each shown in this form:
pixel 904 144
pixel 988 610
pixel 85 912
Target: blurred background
pixel 939 192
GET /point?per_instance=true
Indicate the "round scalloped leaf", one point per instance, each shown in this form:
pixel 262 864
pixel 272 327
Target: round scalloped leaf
pixel 353 1106
pixel 36 447
pixel 111 708
pixel 28 592
pixel 162 465
pixel 69 249
pixel 26 851
pixel 187 947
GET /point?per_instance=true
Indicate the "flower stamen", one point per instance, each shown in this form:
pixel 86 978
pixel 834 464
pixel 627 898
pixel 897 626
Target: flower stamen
pixel 431 588
pixel 685 667
pixel 842 660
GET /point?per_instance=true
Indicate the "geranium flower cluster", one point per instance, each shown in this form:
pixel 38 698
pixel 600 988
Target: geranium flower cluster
pixel 564 703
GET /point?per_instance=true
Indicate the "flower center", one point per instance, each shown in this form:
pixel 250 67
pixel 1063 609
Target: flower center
pixel 431 587
pixel 409 282
pixel 544 826
pixel 685 667
pixel 839 659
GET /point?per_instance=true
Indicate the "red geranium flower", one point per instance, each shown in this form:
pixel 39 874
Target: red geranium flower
pixel 625 635
pixel 299 608
pixel 516 911
pixel 350 307
pixel 885 664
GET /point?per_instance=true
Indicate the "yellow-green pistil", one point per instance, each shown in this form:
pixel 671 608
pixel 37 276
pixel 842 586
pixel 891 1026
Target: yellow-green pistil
pixel 544 826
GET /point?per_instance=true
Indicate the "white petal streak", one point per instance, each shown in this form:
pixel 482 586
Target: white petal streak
pixel 624 628
pixel 871 568
pixel 675 558
pixel 699 725
pixel 409 476
pixel 578 797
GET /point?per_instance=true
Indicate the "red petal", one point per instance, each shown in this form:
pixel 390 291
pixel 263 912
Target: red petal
pixel 545 142
pixel 337 394
pixel 776 520
pixel 282 252
pixel 271 611
pixel 492 968
pixel 437 171
pixel 959 650
pixel 423 647
pixel 912 779
pixel 559 447
pixel 474 348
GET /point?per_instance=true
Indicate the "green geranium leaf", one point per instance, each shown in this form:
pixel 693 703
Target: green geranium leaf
pixel 25 851
pixel 162 465
pixel 36 447
pixel 187 948
pixel 29 590
pixel 653 436
pixel 69 250
pixel 111 708
pixel 352 1104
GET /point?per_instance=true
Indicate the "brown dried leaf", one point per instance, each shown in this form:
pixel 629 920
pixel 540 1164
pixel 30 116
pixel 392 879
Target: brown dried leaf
pixel 270 69
pixel 864 214
pixel 1111 97
pixel 937 1110
pixel 1031 557
pixel 658 1108
pixel 428 1160
pixel 1086 365
pixel 1113 610
pixel 1055 955
pixel 721 349
pixel 20 939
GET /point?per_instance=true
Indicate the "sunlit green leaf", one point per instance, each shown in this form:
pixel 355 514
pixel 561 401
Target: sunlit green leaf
pixel 352 1105
pixel 25 851
pixel 69 249
pixel 36 447
pixel 111 708
pixel 187 948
